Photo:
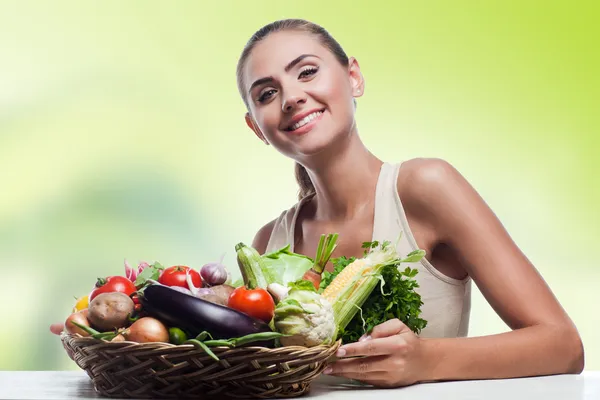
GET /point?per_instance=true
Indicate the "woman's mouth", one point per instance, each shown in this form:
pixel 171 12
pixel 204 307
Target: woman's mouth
pixel 306 123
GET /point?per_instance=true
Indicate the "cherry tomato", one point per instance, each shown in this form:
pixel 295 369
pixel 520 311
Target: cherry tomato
pixel 113 284
pixel 257 303
pixel 175 276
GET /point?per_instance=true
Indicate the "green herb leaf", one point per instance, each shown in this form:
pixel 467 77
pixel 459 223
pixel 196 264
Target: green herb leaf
pixel 150 272
pixel 302 284
pixel 414 256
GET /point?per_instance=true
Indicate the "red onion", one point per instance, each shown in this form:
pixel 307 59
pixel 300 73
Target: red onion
pixel 214 273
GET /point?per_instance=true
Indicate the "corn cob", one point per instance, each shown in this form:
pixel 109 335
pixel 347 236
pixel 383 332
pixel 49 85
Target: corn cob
pixel 354 284
pixel 353 270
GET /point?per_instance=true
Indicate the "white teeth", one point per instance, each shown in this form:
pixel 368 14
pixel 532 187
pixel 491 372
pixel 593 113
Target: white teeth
pixel 306 120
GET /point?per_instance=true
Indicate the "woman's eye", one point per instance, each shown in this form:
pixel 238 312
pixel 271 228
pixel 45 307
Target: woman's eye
pixel 265 95
pixel 308 72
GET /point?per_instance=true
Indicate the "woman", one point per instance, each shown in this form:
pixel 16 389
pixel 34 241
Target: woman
pixel 299 88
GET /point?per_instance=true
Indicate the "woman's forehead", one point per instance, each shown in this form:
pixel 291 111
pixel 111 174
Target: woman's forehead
pixel 274 53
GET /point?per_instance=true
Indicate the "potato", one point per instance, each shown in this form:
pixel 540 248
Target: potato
pixel 221 294
pixel 109 311
pixel 213 298
pixel 81 318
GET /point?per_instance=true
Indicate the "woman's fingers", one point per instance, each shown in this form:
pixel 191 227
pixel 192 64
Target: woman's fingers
pixel 374 379
pixel 364 366
pixel 389 328
pixel 373 347
pixel 56 328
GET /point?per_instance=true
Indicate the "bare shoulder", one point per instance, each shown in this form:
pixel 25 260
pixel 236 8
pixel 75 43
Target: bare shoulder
pixel 261 239
pixel 421 181
pixel 433 189
pixel 418 174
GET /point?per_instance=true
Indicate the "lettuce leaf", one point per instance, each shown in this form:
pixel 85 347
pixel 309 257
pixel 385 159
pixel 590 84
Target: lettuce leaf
pixel 284 266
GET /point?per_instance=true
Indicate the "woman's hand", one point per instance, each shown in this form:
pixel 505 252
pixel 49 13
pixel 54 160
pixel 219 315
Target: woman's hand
pixel 391 356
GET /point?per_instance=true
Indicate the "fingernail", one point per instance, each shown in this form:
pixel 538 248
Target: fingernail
pixel 341 352
pixel 328 370
pixel 363 338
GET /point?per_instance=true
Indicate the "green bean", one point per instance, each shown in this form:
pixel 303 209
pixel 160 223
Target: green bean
pixel 94 333
pixel 203 346
pixel 203 336
pixel 256 337
pixel 253 337
pixel 216 343
pixel 89 330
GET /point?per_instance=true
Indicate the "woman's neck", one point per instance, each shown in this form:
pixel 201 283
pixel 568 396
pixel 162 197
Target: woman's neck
pixel 345 182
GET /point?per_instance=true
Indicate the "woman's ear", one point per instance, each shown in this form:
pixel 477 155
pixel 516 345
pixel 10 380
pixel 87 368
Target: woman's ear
pixel 357 81
pixel 252 125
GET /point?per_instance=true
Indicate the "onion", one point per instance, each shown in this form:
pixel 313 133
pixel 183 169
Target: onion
pixel 190 283
pixel 214 273
pixel 118 338
pixel 147 329
pixel 81 318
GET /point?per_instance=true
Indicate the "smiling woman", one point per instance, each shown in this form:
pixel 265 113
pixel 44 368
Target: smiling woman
pixel 300 91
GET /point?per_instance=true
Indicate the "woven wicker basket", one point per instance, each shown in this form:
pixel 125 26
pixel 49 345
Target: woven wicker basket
pixel 163 370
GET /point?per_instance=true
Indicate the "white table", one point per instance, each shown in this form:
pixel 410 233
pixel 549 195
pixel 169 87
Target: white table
pixel 76 385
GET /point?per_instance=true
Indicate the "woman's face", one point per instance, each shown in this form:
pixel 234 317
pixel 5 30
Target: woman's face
pixel 301 99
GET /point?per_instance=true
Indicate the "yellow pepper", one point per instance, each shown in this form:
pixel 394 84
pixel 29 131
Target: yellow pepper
pixel 82 303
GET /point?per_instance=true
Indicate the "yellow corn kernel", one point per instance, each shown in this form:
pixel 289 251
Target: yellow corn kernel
pixel 341 281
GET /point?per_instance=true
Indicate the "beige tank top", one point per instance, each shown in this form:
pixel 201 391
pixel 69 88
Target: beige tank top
pixel 446 301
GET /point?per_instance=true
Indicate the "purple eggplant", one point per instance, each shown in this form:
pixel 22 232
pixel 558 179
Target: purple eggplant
pixel 196 315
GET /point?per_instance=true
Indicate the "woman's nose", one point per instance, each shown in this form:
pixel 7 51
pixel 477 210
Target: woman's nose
pixel 292 102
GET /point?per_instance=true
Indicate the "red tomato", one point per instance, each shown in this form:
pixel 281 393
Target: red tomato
pixel 113 284
pixel 257 303
pixel 175 276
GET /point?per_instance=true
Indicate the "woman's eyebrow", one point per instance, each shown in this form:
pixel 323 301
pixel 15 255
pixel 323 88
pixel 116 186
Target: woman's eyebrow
pixel 296 60
pixel 290 65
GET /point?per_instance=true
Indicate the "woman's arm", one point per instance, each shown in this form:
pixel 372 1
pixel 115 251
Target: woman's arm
pixel 543 339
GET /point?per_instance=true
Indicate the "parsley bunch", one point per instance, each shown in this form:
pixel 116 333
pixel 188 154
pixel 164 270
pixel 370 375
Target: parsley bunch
pixel 396 299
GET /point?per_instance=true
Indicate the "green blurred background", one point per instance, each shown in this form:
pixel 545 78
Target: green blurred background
pixel 122 136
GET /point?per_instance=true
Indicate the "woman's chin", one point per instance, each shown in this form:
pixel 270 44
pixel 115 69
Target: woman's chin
pixel 315 147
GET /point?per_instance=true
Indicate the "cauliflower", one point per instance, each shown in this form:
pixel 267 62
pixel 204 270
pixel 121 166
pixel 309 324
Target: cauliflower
pixel 305 316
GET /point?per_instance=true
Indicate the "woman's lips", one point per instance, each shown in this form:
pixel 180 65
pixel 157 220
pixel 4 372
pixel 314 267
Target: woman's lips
pixel 308 126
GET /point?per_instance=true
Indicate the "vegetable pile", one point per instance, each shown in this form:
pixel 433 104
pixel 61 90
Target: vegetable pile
pixel 282 299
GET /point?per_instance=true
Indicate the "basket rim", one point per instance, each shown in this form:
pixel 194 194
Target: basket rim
pixel 157 345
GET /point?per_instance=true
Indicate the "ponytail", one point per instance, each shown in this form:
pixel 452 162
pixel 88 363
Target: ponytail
pixel 306 185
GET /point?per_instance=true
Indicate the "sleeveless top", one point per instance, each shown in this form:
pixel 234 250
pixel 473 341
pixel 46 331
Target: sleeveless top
pixel 446 301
